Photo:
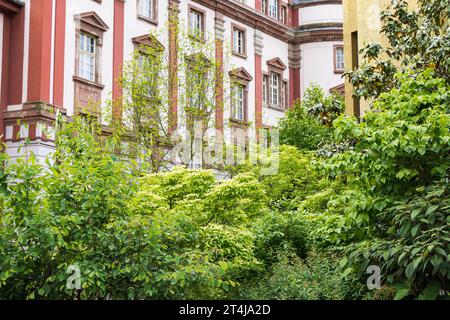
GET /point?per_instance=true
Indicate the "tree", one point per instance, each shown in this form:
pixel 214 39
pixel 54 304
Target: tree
pixel 148 119
pixel 417 40
pixel 393 210
pixel 307 125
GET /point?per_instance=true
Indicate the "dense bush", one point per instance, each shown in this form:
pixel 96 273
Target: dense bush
pixel 295 279
pixel 395 179
pixel 307 124
pixel 171 235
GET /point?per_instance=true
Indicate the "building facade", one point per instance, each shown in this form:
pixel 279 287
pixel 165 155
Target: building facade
pixel 60 55
pixel 362 26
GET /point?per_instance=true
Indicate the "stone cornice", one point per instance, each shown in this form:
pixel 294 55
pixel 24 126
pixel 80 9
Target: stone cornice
pixel 303 34
pixel 315 3
pixel 250 17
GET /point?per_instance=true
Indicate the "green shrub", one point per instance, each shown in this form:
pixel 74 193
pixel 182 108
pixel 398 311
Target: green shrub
pixel 292 278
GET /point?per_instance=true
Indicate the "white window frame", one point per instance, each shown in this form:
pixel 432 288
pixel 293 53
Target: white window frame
pixel 87 54
pixel 264 90
pixel 147 8
pixel 196 23
pixel 239 103
pixel 275 89
pixel 239 41
pixel 339 58
pixel 273 9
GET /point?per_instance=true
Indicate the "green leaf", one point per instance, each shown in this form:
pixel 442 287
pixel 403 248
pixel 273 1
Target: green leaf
pixel 431 291
pixel 402 293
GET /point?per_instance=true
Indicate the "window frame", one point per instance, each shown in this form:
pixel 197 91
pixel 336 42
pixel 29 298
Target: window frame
pixel 87 54
pixel 202 14
pixel 335 59
pixel 237 28
pixel 270 7
pixel 154 10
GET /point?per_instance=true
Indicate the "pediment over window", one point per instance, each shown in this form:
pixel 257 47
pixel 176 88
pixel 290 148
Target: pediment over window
pixel 148 40
pixel 339 89
pixel 198 58
pixel 241 74
pixel 277 63
pixel 91 21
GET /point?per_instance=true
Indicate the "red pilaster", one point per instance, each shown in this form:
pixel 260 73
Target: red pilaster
pixel 294 90
pixel 59 54
pixel 293 17
pixel 40 50
pixel 258 5
pixel 258 94
pixel 118 55
pixel 12 57
pixel 219 85
pixel 173 63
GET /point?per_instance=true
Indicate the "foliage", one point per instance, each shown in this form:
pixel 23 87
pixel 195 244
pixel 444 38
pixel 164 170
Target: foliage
pixel 170 235
pixel 307 125
pixel 295 279
pixel 395 182
pixel 417 39
pixel 325 108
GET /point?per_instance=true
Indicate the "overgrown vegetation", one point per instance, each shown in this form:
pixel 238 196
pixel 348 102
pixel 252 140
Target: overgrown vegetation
pixel 349 194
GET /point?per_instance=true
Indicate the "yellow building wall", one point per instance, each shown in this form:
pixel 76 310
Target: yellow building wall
pixel 362 16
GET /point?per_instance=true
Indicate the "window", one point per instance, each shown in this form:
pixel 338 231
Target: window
pixel 284 97
pixel 274 89
pixel 338 59
pixel 239 103
pixel 264 89
pixel 239 41
pixel 196 23
pixel 87 57
pixel 264 6
pixel 273 8
pixel 284 14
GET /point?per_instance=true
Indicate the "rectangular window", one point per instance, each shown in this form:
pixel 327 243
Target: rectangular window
pixel 147 8
pixel 264 89
pixel 239 103
pixel 284 95
pixel 264 6
pixel 339 59
pixel 273 8
pixel 196 23
pixel 87 59
pixel 274 89
pixel 239 45
pixel 284 14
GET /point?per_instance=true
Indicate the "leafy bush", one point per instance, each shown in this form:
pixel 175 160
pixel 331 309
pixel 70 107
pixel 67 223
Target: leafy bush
pixel 295 279
pixel 395 185
pixel 417 39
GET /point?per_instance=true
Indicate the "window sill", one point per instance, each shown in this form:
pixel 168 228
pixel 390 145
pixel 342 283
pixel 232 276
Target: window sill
pixel 270 106
pixel 338 71
pixel 89 82
pixel 146 19
pixel 241 123
pixel 197 38
pixel 239 55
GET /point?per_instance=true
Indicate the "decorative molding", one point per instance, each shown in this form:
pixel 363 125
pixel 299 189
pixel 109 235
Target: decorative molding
pixel 241 74
pixel 258 42
pixel 92 20
pixel 277 64
pixel 248 16
pixel 148 40
pixel 313 3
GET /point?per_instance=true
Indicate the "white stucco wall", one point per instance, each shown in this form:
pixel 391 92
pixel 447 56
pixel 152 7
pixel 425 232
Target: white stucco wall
pixel 321 14
pixel 317 65
pixel 274 48
pixel 106 13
